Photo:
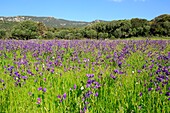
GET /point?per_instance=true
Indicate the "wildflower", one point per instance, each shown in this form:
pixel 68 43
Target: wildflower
pixel 86 103
pixel 116 71
pixel 85 108
pixel 44 90
pixel 90 75
pixel 59 96
pixel 149 89
pixel 24 77
pixel 96 94
pixel 140 94
pixel 87 95
pixel 119 64
pixel 112 76
pixel 167 94
pixel 36 69
pixel 38 100
pixel 75 86
pixel 139 71
pixel 44 79
pixel 82 88
pixel 64 96
pixel 40 88
pixel 158 88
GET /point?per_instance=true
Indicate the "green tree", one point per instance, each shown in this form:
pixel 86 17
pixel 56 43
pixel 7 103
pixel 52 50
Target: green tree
pixel 103 35
pixel 91 34
pixel 118 33
pixel 2 33
pixel 160 25
pixel 25 30
pixel 62 33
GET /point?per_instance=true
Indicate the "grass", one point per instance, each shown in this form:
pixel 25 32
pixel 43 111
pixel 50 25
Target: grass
pixel 85 76
pixel 150 38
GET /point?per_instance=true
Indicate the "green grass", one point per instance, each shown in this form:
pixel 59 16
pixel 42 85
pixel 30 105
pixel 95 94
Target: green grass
pixel 121 94
pixel 150 38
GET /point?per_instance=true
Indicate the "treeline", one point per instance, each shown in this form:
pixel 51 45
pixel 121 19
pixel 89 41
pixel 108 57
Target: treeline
pixel 159 26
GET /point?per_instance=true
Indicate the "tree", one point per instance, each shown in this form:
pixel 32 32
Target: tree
pixel 41 29
pixel 2 33
pixel 118 33
pixel 91 34
pixel 102 35
pixel 25 30
pixel 160 25
pixel 62 33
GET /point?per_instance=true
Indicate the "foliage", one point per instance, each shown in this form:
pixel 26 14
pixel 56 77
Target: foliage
pixel 2 33
pixel 135 27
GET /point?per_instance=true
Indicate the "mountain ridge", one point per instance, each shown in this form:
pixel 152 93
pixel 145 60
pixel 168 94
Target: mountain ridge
pixel 48 21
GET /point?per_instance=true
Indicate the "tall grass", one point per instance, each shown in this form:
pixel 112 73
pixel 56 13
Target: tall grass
pixel 85 76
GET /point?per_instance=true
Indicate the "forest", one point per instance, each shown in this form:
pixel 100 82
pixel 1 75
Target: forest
pixel 135 27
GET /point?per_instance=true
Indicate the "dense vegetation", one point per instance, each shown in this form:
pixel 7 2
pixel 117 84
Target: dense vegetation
pixel 84 76
pixel 159 26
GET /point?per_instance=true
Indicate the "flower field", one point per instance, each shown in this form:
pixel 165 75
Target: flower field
pixel 85 76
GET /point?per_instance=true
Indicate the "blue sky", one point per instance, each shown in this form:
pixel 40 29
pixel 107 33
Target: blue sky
pixel 86 10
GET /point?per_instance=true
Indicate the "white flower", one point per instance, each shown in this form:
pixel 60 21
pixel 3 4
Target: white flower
pixel 82 88
pixel 133 71
pixel 16 78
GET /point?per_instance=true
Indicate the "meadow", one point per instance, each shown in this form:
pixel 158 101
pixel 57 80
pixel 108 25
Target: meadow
pixel 85 76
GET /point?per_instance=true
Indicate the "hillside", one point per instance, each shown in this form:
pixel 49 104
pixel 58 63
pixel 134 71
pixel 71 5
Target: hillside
pixel 48 21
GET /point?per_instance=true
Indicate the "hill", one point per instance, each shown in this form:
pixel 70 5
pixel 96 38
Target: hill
pixel 48 21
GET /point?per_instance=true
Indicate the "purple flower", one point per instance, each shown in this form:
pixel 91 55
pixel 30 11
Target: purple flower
pixel 85 108
pixel 158 88
pixel 36 69
pixel 24 77
pixel 116 71
pixel 59 96
pixel 61 100
pixel 169 55
pixel 38 100
pixel 83 99
pixel 1 80
pixel 139 71
pixel 86 103
pixel 87 95
pixel 44 79
pixel 44 90
pixel 75 86
pixel 120 72
pixel 149 89
pixel 140 94
pixel 64 96
pixel 88 85
pixel 40 88
pixel 96 94
pixel 90 75
pixel 119 64
pixel 167 94
pixel 112 76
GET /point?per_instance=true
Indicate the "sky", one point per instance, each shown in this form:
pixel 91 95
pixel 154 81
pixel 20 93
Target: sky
pixel 86 10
